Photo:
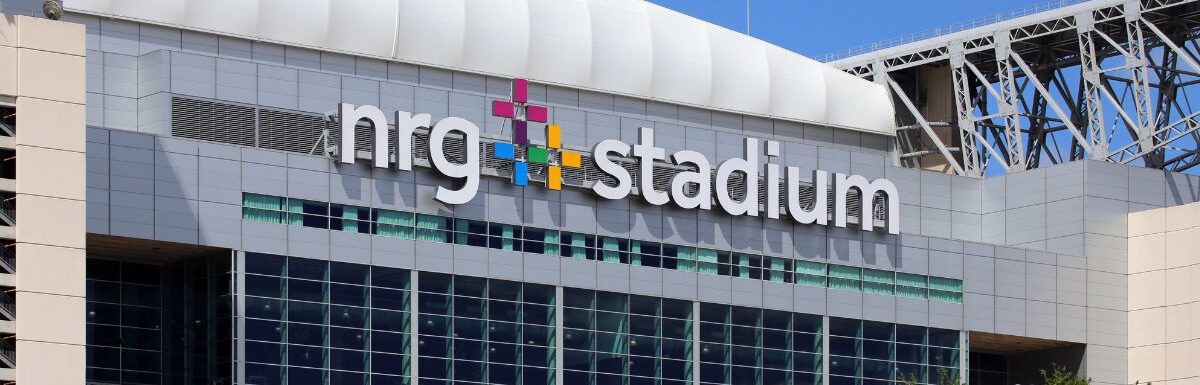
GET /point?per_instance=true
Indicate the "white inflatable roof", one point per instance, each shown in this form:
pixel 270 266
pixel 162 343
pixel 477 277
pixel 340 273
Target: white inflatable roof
pixel 629 47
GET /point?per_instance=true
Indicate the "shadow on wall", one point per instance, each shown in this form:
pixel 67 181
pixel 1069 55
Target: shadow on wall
pixel 1024 368
pixel 1182 190
pixel 22 7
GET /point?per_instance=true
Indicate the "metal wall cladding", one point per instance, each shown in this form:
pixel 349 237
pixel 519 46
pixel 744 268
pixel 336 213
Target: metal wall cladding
pixel 628 47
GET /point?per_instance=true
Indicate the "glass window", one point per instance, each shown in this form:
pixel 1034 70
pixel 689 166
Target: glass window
pixel 263 208
pixel 845 277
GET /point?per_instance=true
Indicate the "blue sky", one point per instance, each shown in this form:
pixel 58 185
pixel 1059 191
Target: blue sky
pixel 815 28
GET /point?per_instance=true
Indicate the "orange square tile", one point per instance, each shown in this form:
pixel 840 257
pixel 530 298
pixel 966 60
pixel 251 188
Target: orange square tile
pixel 554 179
pixel 553 136
pixel 570 159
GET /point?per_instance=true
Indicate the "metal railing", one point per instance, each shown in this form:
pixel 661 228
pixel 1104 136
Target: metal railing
pixel 948 29
pixel 8 115
pixel 8 352
pixel 8 304
pixel 8 258
pixel 8 210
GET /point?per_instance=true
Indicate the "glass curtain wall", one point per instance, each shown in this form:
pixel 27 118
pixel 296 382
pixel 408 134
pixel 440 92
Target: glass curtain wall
pixel 124 323
pixel 879 353
pixel 480 331
pixel 748 346
pixel 167 323
pixel 622 339
pixel 320 322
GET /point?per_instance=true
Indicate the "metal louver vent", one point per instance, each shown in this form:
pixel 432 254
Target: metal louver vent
pixel 662 177
pixel 287 131
pixel 455 148
pixel 235 124
pixel 193 119
pixel 420 145
pixel 578 176
pixel 737 186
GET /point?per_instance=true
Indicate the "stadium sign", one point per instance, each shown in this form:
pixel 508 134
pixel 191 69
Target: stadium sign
pixel 691 189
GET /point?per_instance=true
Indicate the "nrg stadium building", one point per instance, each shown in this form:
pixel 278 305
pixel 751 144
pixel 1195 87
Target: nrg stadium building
pixel 535 192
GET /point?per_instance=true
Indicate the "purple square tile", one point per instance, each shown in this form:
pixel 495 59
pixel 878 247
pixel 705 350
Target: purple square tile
pixel 520 132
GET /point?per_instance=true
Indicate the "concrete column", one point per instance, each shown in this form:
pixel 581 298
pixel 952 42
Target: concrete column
pixel 50 231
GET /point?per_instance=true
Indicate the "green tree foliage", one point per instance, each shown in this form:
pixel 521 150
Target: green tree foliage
pixel 1059 375
pixel 945 376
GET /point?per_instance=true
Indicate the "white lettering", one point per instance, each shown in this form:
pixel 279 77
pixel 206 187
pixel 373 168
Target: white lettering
pixel 406 124
pixel 842 185
pixel 701 178
pixel 349 116
pixel 646 154
pixel 624 180
pixel 748 165
pixel 468 170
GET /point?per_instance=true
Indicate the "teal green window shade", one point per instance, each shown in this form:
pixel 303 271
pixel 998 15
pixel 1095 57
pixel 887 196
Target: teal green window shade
pixel 746 266
pixel 810 273
pixel 611 249
pixel 504 237
pixel 879 282
pixel 395 224
pixel 551 242
pixel 685 257
pixel 777 269
pixel 911 286
pixel 263 208
pixel 945 289
pixel 576 245
pixel 638 248
pixel 470 233
pixel 707 260
pixel 433 228
pixel 352 219
pixel 845 277
pixel 308 213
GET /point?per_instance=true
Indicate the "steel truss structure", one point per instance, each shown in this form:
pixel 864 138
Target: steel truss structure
pixel 1108 80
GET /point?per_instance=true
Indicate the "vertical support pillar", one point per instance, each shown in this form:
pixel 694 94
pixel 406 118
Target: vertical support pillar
pixel 695 342
pixel 879 76
pixel 964 359
pixel 558 335
pixel 414 347
pixel 1014 144
pixel 825 349
pixel 239 316
pixel 965 111
pixel 1089 69
pixel 1136 62
pixel 51 223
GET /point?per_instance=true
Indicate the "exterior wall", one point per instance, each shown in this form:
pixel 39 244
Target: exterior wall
pixel 49 96
pixel 1164 296
pixel 1063 275
pixel 179 190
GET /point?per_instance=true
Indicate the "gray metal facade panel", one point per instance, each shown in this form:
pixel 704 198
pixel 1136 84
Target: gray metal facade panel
pixel 1037 208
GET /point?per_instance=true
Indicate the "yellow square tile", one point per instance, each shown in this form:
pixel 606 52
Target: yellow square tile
pixel 570 159
pixel 553 136
pixel 554 179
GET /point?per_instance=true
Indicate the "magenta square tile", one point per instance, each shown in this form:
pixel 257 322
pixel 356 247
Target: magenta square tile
pixel 503 108
pixel 520 91
pixel 536 114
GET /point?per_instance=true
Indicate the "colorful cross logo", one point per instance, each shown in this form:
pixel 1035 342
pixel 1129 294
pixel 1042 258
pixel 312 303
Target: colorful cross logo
pixel 553 156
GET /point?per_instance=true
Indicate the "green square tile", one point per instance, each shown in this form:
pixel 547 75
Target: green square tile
pixel 538 155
